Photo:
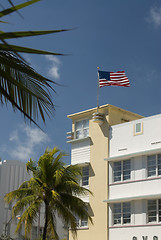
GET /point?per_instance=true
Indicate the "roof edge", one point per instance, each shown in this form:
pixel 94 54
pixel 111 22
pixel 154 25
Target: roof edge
pixel 101 107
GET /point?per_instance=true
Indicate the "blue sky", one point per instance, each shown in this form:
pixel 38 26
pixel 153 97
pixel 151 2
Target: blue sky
pixel 114 35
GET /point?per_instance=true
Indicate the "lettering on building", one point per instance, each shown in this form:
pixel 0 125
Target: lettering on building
pixel 145 238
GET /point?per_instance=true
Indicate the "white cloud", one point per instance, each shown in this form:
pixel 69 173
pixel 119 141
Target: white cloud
pixel 53 70
pixel 14 136
pixel 26 141
pixel 21 153
pixel 35 135
pixel 155 16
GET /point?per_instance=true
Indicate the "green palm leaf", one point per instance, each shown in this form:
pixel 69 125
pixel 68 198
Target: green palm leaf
pixel 3 22
pixel 15 8
pixel 10 35
pixel 25 50
pixel 24 88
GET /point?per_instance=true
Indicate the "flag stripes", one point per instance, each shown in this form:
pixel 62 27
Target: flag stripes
pixel 113 79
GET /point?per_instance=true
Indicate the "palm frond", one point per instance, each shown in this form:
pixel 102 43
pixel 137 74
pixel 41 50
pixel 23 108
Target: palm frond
pixel 17 194
pixel 50 164
pixel 10 35
pixel 74 170
pixel 25 89
pixel 55 195
pixel 71 187
pixel 15 8
pixel 24 185
pixel 23 203
pixel 29 216
pixel 15 48
pixel 31 166
pixel 3 22
pixel 76 205
pixel 68 217
pixel 11 3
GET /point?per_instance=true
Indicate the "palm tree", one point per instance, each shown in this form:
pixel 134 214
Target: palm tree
pixel 55 186
pixel 20 84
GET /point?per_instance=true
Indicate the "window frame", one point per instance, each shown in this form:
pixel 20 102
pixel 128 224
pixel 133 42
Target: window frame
pixel 157 164
pixel 122 213
pixel 123 170
pixel 34 233
pixel 82 129
pixel 135 128
pixel 80 221
pixel 158 210
pixel 83 180
pixel 80 181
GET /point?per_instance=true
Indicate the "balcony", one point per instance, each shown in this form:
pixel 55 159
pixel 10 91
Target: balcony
pixel 72 139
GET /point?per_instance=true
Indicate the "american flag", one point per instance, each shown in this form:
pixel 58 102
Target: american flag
pixel 113 79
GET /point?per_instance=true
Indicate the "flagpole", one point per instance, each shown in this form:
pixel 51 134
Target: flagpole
pixel 98 89
pixel 98 117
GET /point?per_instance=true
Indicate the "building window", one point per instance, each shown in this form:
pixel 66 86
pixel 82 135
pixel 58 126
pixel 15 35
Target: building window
pixel 122 213
pixel 85 176
pixel 154 165
pixel 154 211
pixel 82 223
pixel 122 170
pixel 138 128
pixel 41 231
pixel 34 232
pixel 82 129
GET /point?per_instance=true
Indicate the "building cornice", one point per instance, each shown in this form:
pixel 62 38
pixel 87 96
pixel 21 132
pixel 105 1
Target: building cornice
pixel 106 106
pixel 79 140
pixel 136 154
pixel 126 199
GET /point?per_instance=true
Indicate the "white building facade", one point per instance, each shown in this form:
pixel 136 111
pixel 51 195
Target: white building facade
pixel 12 175
pixel 134 184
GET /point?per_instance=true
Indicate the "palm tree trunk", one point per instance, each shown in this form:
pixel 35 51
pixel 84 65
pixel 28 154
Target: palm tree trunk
pixel 46 221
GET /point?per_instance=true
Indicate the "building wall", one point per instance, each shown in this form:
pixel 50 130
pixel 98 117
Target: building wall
pixel 124 141
pixel 80 152
pixel 126 144
pixel 135 189
pixel 119 115
pixel 98 179
pixel 98 176
pixel 144 233
pixel 12 175
pixel 138 185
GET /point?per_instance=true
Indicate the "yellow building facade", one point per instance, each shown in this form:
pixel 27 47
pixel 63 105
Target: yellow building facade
pixel 89 141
